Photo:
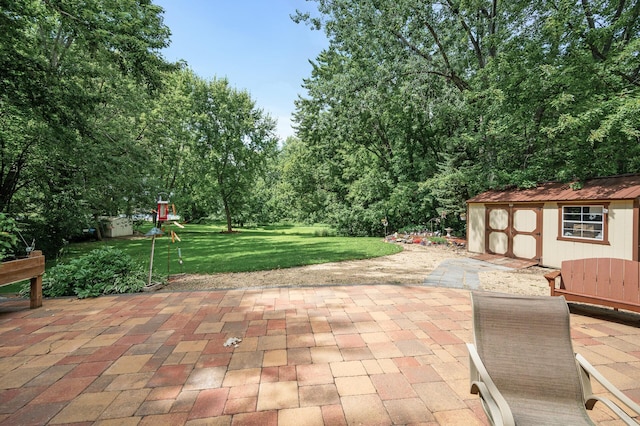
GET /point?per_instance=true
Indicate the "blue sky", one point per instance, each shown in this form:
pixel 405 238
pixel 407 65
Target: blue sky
pixel 253 43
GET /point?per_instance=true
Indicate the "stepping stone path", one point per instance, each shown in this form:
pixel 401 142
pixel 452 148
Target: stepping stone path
pixel 460 273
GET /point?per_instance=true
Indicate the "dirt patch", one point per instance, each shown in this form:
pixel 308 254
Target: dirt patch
pixel 410 266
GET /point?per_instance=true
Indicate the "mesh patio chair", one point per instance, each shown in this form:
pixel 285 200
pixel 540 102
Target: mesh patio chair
pixel 523 366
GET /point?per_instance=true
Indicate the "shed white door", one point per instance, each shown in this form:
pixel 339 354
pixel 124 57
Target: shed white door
pixel 514 231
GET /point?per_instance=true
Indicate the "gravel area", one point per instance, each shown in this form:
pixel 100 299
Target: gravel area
pixel 410 266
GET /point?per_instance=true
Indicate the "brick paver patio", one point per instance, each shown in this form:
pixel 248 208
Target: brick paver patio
pixel 370 355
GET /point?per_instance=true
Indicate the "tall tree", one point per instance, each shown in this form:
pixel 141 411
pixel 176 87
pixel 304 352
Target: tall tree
pixel 170 137
pixel 233 141
pixel 71 75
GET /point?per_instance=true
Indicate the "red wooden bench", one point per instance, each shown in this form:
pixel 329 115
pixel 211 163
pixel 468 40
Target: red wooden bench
pixel 603 281
pixel 29 268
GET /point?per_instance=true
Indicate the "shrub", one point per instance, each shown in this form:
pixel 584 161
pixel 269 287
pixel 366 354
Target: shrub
pixel 105 270
pixel 8 236
pixel 438 240
pixel 412 228
pixel 324 232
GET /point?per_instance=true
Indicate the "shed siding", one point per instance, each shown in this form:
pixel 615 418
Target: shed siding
pixel 621 226
pixel 476 228
pixel 118 227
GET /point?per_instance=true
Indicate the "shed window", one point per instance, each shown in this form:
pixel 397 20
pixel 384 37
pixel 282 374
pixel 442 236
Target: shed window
pixel 583 222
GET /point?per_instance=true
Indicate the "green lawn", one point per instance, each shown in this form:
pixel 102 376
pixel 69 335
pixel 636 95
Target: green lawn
pixel 205 250
pixel 11 288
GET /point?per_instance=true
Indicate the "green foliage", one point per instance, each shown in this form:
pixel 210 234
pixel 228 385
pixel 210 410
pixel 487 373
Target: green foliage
pixel 213 145
pixel 408 229
pixel 356 221
pixel 74 79
pixel 414 107
pixel 233 140
pixel 438 240
pixel 104 270
pixel 325 232
pixel 294 185
pixel 417 105
pixel 8 236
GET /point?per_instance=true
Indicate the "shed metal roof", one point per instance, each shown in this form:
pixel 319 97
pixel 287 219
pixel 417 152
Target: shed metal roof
pixel 606 188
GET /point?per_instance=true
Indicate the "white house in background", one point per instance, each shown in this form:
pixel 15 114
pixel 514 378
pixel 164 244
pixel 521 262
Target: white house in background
pixel 558 221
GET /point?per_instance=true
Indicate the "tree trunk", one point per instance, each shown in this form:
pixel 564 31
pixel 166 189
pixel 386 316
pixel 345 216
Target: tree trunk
pixel 227 212
pixel 96 220
pixel 8 185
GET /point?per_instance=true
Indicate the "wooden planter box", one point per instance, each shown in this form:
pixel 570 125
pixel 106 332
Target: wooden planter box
pixel 29 268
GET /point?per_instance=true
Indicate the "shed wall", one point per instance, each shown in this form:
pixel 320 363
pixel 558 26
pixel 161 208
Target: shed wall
pixel 118 227
pixel 621 226
pixel 476 228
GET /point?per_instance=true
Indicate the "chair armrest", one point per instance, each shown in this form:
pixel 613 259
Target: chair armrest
pixel 551 277
pixel 588 371
pixel 494 404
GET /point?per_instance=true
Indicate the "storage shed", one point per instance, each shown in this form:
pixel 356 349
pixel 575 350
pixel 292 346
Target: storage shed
pixel 558 221
pixel 117 226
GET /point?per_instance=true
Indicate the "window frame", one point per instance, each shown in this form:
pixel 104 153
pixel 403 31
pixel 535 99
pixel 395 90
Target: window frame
pixel 605 223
